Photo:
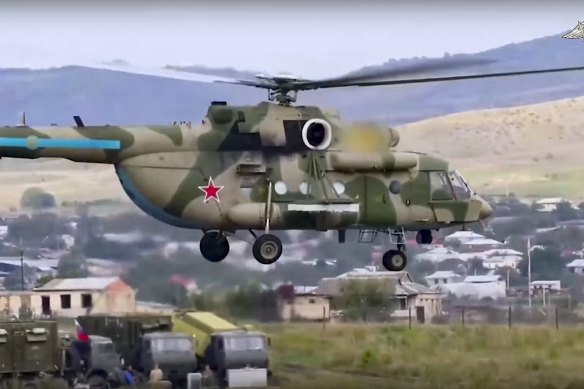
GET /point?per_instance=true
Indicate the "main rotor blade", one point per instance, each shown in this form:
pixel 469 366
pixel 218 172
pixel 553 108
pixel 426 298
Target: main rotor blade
pixel 452 78
pixel 408 70
pixel 457 78
pixel 161 72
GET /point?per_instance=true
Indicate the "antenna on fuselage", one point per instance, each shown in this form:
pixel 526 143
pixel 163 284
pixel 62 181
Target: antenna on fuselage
pixel 22 120
pixel 78 121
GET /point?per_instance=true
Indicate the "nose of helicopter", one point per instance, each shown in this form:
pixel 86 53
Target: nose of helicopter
pixel 486 210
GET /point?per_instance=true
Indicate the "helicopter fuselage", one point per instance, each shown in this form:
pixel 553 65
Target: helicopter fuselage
pixel 252 153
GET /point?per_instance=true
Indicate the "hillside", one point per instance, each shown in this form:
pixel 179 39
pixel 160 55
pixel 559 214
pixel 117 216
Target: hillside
pixel 537 148
pixel 100 96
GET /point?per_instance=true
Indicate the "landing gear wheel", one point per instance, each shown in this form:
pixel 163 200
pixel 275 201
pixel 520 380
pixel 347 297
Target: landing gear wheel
pixel 424 237
pixel 214 246
pixel 394 260
pixel 267 249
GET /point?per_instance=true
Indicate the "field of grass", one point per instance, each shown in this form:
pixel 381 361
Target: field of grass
pixel 529 183
pixel 536 148
pixel 376 356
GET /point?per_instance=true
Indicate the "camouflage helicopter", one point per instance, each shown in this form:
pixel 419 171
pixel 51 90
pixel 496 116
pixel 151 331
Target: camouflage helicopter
pixel 275 166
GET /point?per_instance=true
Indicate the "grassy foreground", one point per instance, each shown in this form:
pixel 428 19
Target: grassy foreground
pixel 375 356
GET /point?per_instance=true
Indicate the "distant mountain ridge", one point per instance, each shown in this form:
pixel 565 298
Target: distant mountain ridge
pixel 104 97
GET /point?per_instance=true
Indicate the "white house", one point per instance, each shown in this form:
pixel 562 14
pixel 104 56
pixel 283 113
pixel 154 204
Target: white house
pixel 476 287
pixel 505 252
pixel 438 255
pixel 499 261
pixel 462 237
pixel 443 277
pixel 482 245
pixel 71 297
pixel 551 204
pixel 538 286
pixel 576 266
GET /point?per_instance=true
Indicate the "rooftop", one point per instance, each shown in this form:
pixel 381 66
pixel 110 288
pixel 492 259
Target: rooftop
pixel 464 234
pixel 89 283
pixel 442 274
pixel 483 278
pixel 576 263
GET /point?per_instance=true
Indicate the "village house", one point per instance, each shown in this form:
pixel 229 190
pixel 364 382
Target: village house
pixel 410 297
pixel 500 261
pixel 73 297
pixel 480 245
pixel 438 255
pixel 41 267
pixel 576 266
pixel 491 286
pixel 443 277
pixel 551 204
pixel 302 304
pixel 461 237
pixel 538 287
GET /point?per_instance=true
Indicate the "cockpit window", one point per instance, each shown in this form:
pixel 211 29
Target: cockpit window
pixel 440 188
pixel 461 189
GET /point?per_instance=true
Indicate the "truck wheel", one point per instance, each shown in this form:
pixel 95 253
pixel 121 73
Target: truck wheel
pixel 60 383
pixel 97 382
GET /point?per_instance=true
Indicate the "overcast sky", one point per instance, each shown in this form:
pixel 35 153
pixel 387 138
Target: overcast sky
pixel 312 39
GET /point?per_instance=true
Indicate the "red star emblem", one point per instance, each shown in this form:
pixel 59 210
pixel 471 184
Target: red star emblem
pixel 211 191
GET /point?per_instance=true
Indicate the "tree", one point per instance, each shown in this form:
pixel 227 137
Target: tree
pixel 565 211
pixel 37 227
pixel 365 299
pixel 546 263
pixel 475 265
pixel 37 198
pixel 73 265
pixel 14 280
pixel 452 264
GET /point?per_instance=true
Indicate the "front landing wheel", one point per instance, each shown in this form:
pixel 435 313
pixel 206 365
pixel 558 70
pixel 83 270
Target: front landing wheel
pixel 214 246
pixel 267 249
pixel 394 260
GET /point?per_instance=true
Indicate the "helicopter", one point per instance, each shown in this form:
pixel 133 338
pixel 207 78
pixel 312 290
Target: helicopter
pixel 275 166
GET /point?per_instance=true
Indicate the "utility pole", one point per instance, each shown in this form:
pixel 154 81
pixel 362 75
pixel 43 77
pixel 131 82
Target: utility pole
pixel 21 266
pixel 529 271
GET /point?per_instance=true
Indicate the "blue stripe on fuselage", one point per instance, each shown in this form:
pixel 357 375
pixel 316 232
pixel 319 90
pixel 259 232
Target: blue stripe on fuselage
pixel 61 143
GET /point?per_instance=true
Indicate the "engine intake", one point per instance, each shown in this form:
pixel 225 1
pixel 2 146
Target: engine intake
pixel 317 134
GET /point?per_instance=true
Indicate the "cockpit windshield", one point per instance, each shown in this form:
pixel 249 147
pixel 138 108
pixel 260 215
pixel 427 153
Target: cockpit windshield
pixel 171 344
pixel 461 189
pixel 244 343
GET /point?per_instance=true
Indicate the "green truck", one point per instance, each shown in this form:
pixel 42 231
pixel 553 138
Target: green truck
pixel 91 362
pixel 30 354
pixel 237 356
pixel 146 341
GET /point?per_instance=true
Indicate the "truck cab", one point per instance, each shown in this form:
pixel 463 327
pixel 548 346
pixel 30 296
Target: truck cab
pixel 237 349
pixel 172 352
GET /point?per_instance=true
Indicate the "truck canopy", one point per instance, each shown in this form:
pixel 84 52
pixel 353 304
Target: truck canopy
pixel 201 325
pixel 29 347
pixel 126 332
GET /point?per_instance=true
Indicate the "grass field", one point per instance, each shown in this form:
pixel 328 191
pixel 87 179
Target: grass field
pixel 376 356
pixel 529 183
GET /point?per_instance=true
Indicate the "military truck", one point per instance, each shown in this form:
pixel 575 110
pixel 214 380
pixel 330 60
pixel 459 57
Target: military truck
pixel 90 361
pixel 30 354
pixel 146 341
pixel 238 357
